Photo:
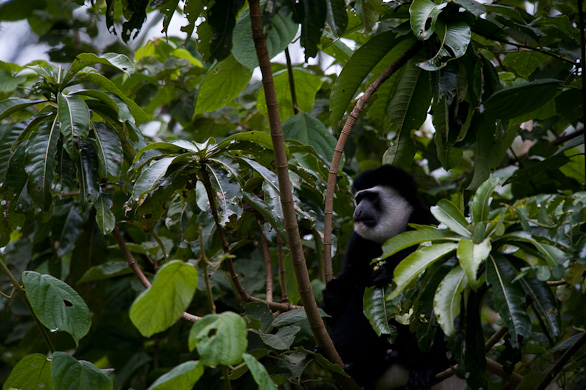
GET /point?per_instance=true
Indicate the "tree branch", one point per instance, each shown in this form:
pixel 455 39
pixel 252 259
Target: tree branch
pixel 290 218
pixel 339 149
pixel 582 62
pixel 268 264
pixel 562 362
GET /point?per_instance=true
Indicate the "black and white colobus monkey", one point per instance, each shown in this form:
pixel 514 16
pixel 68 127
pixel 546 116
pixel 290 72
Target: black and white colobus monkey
pixel 386 202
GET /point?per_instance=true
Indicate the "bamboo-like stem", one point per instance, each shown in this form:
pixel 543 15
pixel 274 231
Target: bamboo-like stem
pixel 565 358
pixel 268 264
pixel 284 296
pixel 20 291
pixel 138 272
pixel 290 219
pixel 339 149
pixel 204 267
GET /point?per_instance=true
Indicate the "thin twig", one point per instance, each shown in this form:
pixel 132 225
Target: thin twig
pixel 291 82
pixel 204 267
pixel 268 263
pixel 339 149
pixel 284 296
pixel 555 370
pixel 495 338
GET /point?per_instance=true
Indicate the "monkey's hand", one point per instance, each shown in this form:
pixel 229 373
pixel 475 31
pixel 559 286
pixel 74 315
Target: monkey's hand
pixel 381 277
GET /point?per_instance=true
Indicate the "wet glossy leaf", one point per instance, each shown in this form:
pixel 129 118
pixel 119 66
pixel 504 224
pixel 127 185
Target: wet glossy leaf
pixel 13 104
pixel 375 310
pixel 109 149
pixel 74 118
pixel 471 257
pixel 447 300
pixel 451 216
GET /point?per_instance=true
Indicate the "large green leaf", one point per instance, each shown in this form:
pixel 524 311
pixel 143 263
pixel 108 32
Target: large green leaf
pixel 337 17
pixel 57 305
pixel 88 173
pixel 509 103
pixel 525 62
pixel 314 19
pixel 480 205
pixel 149 212
pixel 223 82
pixel 278 34
pixel 415 237
pixel 447 299
pixel 32 372
pixel 359 66
pixel 509 298
pixel 413 265
pixel 222 19
pixel 183 376
pixel 259 373
pixel 455 37
pixel 67 225
pixel 69 373
pixel 116 60
pixel 283 339
pixel 74 117
pixel 150 177
pixel 451 216
pixel 13 104
pixel 471 257
pixel 220 339
pixel 40 163
pixel 551 254
pixel 421 12
pixel 104 216
pixel 310 131
pixel 109 149
pixel 169 296
pixel 375 309
pixel 306 87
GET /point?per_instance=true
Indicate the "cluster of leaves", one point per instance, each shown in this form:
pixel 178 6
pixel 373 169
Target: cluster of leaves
pixel 171 152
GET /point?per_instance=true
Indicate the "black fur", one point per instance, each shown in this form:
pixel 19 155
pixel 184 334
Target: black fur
pixel 367 356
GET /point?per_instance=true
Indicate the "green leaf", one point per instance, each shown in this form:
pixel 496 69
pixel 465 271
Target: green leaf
pixel 552 255
pixel 359 66
pixel 371 10
pixel 222 19
pixel 104 216
pixel 451 216
pixel 455 38
pixel 74 117
pixel 471 256
pixel 312 25
pixel 107 270
pixel 183 376
pixel 310 131
pixel 40 163
pixel 524 63
pixel 413 265
pixel 337 17
pixel 169 296
pixel 69 373
pixel 259 373
pixel 509 298
pixel 220 339
pixel 306 87
pixel 220 86
pixel 283 339
pixel 155 203
pixel 150 177
pixel 12 105
pixel 447 299
pixel 32 372
pixel 139 115
pixel 109 149
pixel 421 11
pixel 119 61
pixel 67 226
pixel 480 205
pixel 375 310
pixel 57 305
pixel 88 173
pixel 415 237
pixel 509 103
pixel 278 34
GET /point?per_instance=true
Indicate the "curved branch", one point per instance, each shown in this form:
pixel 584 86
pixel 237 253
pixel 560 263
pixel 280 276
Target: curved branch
pixel 562 362
pixel 339 149
pixel 290 218
pixel 138 272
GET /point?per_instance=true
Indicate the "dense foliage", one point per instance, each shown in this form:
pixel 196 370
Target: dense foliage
pixel 164 220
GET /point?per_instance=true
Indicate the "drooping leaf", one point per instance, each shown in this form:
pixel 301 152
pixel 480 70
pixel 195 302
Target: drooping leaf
pixel 104 216
pixel 278 34
pixel 57 305
pixel 375 310
pixel 518 100
pixel 69 373
pixel 66 228
pixel 74 118
pixel 447 300
pixel 509 298
pixel 310 131
pixel 13 104
pixel 413 265
pixel 88 173
pixel 169 296
pixel 451 216
pixel 415 237
pixel 337 17
pixel 109 149
pixel 183 376
pixel 223 82
pixel 222 19
pixel 421 12
pixel 306 87
pixel 31 372
pixel 219 339
pixel 471 257
pixel 480 205
pixel 259 373
pixel 455 38
pixel 150 177
pixel 40 163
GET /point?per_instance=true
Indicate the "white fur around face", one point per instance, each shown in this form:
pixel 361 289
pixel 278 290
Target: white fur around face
pixel 396 212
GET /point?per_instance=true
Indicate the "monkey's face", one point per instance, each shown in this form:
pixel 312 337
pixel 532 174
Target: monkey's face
pixel 380 213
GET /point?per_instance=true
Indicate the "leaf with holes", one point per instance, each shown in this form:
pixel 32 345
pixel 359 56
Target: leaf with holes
pixel 168 297
pixel 219 339
pixel 57 305
pixel 68 373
